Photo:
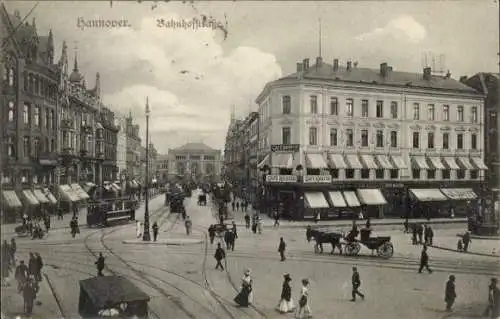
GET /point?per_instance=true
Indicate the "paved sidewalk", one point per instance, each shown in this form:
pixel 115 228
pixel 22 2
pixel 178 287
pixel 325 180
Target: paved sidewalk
pixel 448 240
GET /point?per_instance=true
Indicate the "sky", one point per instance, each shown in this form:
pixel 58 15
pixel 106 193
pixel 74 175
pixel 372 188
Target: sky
pixel 193 77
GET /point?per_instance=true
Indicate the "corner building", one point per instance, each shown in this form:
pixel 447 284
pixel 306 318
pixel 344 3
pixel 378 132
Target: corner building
pixel 339 139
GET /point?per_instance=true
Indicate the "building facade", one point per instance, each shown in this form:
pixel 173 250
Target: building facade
pixel 28 120
pixel 133 149
pixel 194 162
pixel 162 168
pixel 153 153
pixel 110 131
pixel 121 147
pixel 329 127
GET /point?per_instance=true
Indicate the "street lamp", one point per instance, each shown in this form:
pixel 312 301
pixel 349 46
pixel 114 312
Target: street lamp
pixel 146 236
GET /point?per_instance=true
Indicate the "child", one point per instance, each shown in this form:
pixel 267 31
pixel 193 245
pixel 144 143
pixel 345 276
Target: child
pixel 460 247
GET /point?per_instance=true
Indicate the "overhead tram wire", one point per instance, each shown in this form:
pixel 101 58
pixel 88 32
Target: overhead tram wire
pixel 8 37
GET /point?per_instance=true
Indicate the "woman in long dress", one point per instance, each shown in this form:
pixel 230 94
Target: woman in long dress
pixel 138 229
pixel 286 302
pixel 304 309
pixel 245 297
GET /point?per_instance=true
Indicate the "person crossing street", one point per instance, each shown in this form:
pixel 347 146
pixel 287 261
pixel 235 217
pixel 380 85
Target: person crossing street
pixel 281 249
pixel 424 261
pixel 100 265
pixel 220 254
pixel 356 283
pixel 450 294
pixel 188 223
pixel 155 231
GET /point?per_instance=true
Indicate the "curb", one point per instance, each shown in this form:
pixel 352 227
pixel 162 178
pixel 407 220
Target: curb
pixel 494 237
pixel 465 253
pixel 171 242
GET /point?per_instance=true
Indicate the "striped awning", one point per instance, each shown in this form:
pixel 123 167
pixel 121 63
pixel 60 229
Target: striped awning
pixel 30 197
pixel 384 162
pixel 428 194
pixel 265 161
pixel 459 193
pixel 419 162
pixel 79 192
pixel 351 199
pixel 67 194
pixel 479 163
pixel 315 161
pixel 50 196
pixel 11 199
pixel 316 200
pixel 451 163
pixel 337 199
pixel 369 162
pixel 371 196
pixel 436 162
pixel 115 187
pixel 399 162
pixel 337 161
pixel 40 196
pixel 353 161
pixel 465 162
pixel 282 160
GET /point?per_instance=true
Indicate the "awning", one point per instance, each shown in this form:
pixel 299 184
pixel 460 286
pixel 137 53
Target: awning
pixel 316 161
pixel 282 160
pixel 337 199
pixel 88 186
pixel 116 187
pixel 11 199
pixel 451 163
pixel 419 162
pixel 459 193
pixel 40 196
pixel 399 162
pixel 316 200
pixel 369 162
pixel 353 161
pixel 67 193
pixel 371 196
pixel 351 199
pixel 337 161
pixel 265 161
pixel 465 161
pixel 29 197
pixel 479 163
pixel 79 191
pixel 428 194
pixel 50 196
pixel 436 162
pixel 384 162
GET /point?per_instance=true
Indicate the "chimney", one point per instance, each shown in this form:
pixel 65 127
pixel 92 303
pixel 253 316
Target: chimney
pixel 299 67
pixel 319 61
pixel 335 65
pixel 383 69
pixel 427 73
pixel 306 64
pixel 349 65
pixel 463 78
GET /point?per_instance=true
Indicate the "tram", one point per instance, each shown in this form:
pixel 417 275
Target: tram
pixel 107 210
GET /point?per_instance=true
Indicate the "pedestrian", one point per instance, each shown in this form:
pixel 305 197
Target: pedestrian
pixel 245 296
pixel 59 213
pixel 405 226
pixel 73 224
pixel 424 261
pixel 233 204
pixel 46 221
pixel 13 249
pixel 6 255
pixel 188 223
pixel 237 206
pixel 450 294
pixel 138 229
pixel 245 206
pixel 32 265
pixel 247 220
pixel 460 246
pixel 21 275
pixel 211 233
pixel 286 303
pixel 100 265
pixel 155 231
pixel 493 310
pixel 281 249
pixel 426 235
pixel 466 240
pixel 276 219
pixel 6 262
pixel 30 289
pixel 260 225
pixel 420 233
pixel 39 266
pixel 235 230
pixel 430 235
pixel 304 308
pixel 356 283
pixel 219 255
pixel 414 234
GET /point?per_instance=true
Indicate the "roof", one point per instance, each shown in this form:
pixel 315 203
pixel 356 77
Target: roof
pixel 372 76
pixel 113 289
pixel 194 147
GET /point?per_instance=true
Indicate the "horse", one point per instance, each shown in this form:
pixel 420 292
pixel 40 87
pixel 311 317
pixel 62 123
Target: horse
pixel 324 238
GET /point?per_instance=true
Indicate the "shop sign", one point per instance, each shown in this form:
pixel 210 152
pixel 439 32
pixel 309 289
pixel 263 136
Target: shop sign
pixel 281 178
pixel 394 185
pixel 318 179
pixel 285 147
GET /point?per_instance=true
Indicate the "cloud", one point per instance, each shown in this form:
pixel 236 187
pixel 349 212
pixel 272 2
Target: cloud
pixel 404 28
pixel 190 80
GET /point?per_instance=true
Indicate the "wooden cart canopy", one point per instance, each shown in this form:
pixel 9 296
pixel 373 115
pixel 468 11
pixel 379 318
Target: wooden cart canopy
pixel 112 289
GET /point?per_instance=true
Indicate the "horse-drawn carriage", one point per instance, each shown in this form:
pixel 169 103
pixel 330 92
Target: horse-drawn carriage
pixel 352 246
pixel 202 200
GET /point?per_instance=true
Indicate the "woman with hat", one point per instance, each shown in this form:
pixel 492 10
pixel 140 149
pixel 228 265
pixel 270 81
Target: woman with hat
pixel 245 297
pixel 286 303
pixel 304 310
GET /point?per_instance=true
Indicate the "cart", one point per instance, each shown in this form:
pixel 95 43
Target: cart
pixel 111 296
pixel 382 245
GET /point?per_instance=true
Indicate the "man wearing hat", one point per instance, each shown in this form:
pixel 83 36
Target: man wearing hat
pixel 450 294
pixel 219 255
pixel 356 282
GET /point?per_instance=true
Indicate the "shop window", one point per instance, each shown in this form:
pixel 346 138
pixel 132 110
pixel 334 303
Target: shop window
pixel 365 173
pixel 379 173
pixel 394 173
pixel 335 173
pixel 285 171
pixel 474 174
pixel 460 174
pixel 431 174
pixel 349 173
pixel 415 173
pixel 313 171
pixel 446 174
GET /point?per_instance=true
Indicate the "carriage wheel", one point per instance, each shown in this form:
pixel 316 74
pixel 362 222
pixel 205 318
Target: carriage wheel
pixel 386 250
pixel 352 249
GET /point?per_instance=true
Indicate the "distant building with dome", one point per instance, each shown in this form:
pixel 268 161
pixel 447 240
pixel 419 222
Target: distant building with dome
pixel 194 161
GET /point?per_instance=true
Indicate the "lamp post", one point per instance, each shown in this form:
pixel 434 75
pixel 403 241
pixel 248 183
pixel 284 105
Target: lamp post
pixel 146 235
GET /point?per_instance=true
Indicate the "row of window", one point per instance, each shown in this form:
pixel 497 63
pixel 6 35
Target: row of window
pixel 34 118
pixel 286 102
pixel 195 157
pixel 379 138
pixel 30 149
pixel 38 85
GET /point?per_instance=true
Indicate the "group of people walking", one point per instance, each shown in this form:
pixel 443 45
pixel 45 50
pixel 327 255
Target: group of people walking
pixel 237 205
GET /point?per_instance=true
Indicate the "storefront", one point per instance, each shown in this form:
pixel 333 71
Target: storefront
pixel 31 204
pixel 11 206
pixel 67 197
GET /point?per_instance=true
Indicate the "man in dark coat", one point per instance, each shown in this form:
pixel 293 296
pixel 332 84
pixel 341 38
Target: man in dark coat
pixel 233 204
pixel 247 220
pixel 420 233
pixel 219 255
pixel 46 221
pixel 414 234
pixel 450 294
pixel 39 266
pixel 426 235
pixel 430 235
pixel 21 275
pixel 211 233
pixel 13 249
pixel 466 241
pixel 356 283
pixel 32 265
pixel 424 261
pixel 100 265
pixel 155 231
pixel 30 290
pixel 281 249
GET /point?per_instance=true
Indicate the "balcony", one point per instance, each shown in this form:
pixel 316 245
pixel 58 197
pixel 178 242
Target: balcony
pixel 48 159
pixel 67 124
pixel 87 129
